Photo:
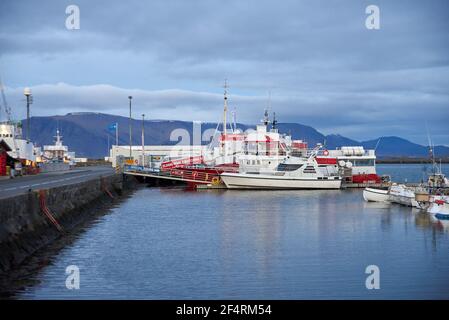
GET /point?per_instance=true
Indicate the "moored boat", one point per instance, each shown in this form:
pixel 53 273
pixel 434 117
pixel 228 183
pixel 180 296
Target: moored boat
pixel 439 207
pixel 294 173
pixel 376 195
pixel 402 194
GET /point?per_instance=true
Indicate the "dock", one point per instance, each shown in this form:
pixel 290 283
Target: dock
pixel 193 177
pixel 204 182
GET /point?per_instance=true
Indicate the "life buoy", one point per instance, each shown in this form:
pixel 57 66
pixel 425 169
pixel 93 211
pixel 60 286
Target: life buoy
pixel 325 152
pixel 215 181
pixel 136 162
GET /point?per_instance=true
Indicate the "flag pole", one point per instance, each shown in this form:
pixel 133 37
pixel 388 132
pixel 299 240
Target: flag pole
pixel 116 133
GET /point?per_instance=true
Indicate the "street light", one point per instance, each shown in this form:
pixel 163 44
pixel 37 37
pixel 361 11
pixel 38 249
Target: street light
pixel 143 139
pixel 27 93
pixel 130 128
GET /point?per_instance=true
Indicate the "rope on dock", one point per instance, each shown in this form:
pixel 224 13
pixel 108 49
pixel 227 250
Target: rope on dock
pixel 47 212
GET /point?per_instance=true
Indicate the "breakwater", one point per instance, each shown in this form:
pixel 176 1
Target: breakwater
pixel 29 222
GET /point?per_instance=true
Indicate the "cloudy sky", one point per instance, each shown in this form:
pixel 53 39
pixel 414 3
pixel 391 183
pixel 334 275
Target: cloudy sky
pixel 323 67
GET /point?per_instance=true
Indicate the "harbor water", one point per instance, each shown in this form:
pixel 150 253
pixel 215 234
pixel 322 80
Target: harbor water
pixel 169 243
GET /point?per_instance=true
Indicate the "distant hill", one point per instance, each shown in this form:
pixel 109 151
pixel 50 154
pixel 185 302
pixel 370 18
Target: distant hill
pixel 87 134
pixel 398 147
pixel 335 140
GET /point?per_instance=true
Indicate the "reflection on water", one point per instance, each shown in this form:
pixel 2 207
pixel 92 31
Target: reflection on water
pixel 175 244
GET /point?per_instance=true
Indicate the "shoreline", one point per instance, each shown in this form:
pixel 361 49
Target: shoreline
pixel 410 161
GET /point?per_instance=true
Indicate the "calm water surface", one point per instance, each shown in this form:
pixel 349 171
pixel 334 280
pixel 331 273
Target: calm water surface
pixel 176 244
pixel 409 172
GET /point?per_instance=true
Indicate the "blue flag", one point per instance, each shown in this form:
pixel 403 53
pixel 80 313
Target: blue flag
pixel 112 127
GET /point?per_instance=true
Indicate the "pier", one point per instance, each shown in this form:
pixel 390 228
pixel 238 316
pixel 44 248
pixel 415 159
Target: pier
pixel 205 178
pixel 20 185
pixel 211 180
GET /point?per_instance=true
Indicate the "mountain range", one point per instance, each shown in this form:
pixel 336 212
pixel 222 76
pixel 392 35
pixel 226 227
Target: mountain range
pixel 88 135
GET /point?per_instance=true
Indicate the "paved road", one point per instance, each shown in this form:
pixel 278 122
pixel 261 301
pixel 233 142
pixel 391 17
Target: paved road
pixel 20 185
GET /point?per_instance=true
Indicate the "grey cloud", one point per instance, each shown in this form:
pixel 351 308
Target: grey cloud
pixel 322 65
pixel 344 116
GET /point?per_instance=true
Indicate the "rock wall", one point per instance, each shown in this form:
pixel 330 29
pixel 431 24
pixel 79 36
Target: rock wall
pixel 24 227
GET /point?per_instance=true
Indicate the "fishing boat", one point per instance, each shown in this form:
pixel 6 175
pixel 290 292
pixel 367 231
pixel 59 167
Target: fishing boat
pixel 420 196
pixel 376 195
pixel 293 173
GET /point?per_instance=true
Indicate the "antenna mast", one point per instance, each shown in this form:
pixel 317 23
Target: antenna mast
pixel 274 122
pixel 9 119
pixel 234 121
pixel 266 118
pixel 5 104
pixel 225 107
pixel 431 154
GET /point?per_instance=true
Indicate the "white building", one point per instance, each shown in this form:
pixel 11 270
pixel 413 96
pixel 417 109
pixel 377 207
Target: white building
pixel 119 154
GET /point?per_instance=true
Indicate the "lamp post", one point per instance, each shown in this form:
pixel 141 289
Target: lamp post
pixel 27 93
pixel 143 140
pixel 130 128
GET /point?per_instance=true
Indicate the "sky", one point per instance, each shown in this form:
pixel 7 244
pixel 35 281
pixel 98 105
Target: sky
pixel 317 59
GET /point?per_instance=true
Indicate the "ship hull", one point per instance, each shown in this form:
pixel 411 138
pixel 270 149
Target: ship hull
pixel 375 195
pixel 253 181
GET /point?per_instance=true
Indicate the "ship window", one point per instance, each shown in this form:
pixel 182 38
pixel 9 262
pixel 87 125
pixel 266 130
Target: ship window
pixel 364 163
pixel 288 167
pixel 309 169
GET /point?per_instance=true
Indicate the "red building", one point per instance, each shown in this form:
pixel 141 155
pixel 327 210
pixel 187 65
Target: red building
pixel 4 148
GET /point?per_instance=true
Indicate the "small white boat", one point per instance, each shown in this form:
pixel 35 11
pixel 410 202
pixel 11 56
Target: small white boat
pixel 376 195
pixel 439 207
pixel 401 194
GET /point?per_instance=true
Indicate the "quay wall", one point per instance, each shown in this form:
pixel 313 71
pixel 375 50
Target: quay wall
pixel 25 228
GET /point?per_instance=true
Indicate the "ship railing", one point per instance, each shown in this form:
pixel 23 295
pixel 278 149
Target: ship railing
pixel 140 169
pixel 180 173
pixel 193 175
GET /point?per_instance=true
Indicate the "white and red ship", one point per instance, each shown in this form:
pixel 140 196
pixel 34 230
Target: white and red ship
pixel 262 150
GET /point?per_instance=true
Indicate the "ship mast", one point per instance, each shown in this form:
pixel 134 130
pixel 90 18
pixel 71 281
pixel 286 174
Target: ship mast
pixel 225 107
pixel 58 137
pixel 234 121
pixel 274 122
pixel 266 117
